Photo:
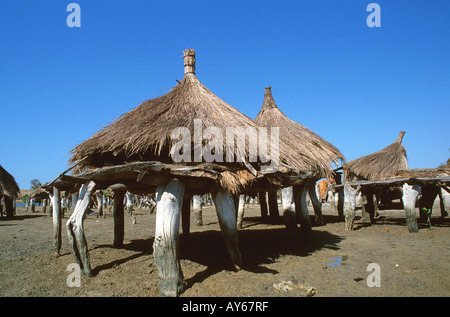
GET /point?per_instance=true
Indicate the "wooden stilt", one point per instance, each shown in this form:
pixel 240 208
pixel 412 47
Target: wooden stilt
pixel 241 211
pixel 349 207
pixel 287 200
pixel 118 215
pixel 273 204
pixel 226 213
pixel 410 197
pixel 75 228
pixel 186 215
pixel 444 212
pixel 57 220
pixel 317 205
pixel 263 204
pixel 197 210
pixel 301 207
pixel 169 200
pixel 369 205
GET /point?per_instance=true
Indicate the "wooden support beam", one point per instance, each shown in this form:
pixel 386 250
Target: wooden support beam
pixel 75 228
pixel 57 220
pixel 241 211
pixel 301 207
pixel 317 205
pixel 410 196
pixel 226 212
pixel 287 200
pixel 169 200
pixel 118 215
pixel 263 204
pixel 197 210
pixel 273 204
pixel 186 215
pixel 349 206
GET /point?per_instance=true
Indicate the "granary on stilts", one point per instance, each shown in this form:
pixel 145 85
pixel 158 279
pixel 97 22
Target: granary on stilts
pixel 185 142
pixel 380 165
pixel 314 153
pixel 383 176
pixel 9 190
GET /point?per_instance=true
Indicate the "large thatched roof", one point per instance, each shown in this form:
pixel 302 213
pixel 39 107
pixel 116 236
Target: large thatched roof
pixel 144 133
pixel 380 165
pixel 313 152
pixel 8 185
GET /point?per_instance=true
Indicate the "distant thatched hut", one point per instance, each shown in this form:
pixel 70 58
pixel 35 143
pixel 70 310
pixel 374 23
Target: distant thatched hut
pixel 9 190
pixel 380 165
pixel 314 153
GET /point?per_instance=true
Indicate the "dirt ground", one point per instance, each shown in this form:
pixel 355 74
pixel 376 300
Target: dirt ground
pixel 278 263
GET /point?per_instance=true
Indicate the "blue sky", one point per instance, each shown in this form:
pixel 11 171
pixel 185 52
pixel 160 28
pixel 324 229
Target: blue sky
pixel 355 86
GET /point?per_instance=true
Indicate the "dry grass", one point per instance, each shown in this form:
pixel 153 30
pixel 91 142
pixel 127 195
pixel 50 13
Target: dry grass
pixel 380 165
pixel 313 152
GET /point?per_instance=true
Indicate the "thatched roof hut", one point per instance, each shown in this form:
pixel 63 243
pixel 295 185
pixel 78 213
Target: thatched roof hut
pixel 313 152
pixel 144 133
pixel 8 185
pixel 380 165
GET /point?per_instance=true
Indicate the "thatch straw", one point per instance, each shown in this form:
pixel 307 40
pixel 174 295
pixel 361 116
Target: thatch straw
pixel 380 165
pixel 144 133
pixel 8 185
pixel 313 152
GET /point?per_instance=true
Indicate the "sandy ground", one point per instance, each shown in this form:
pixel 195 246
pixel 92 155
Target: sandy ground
pixel 278 263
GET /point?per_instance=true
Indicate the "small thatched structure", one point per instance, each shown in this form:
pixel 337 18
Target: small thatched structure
pixel 380 165
pixel 313 152
pixel 8 185
pixel 9 190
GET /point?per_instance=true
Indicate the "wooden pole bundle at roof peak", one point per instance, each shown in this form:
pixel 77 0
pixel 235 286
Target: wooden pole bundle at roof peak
pixel 189 61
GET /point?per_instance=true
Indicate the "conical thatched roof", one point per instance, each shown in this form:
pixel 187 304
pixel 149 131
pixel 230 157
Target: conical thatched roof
pixel 380 165
pixel 144 133
pixel 313 152
pixel 8 185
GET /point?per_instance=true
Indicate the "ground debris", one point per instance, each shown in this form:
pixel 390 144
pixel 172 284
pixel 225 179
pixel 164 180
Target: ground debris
pixel 287 286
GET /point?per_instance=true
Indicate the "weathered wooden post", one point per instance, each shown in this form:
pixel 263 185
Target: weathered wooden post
pixel 129 203
pixel 369 205
pixel 186 215
pixel 197 209
pixel 226 212
pixel 99 196
pixel 9 207
pixel 118 213
pixel 349 206
pixel 57 220
pixel 75 228
pixel 74 202
pixel 317 205
pixel 301 207
pixel 44 205
pixel 241 211
pixel 169 200
pixel 410 196
pixel 263 204
pixel 273 204
pixel 444 212
pixel 287 200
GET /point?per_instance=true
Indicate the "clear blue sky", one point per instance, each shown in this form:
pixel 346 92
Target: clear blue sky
pixel 355 86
